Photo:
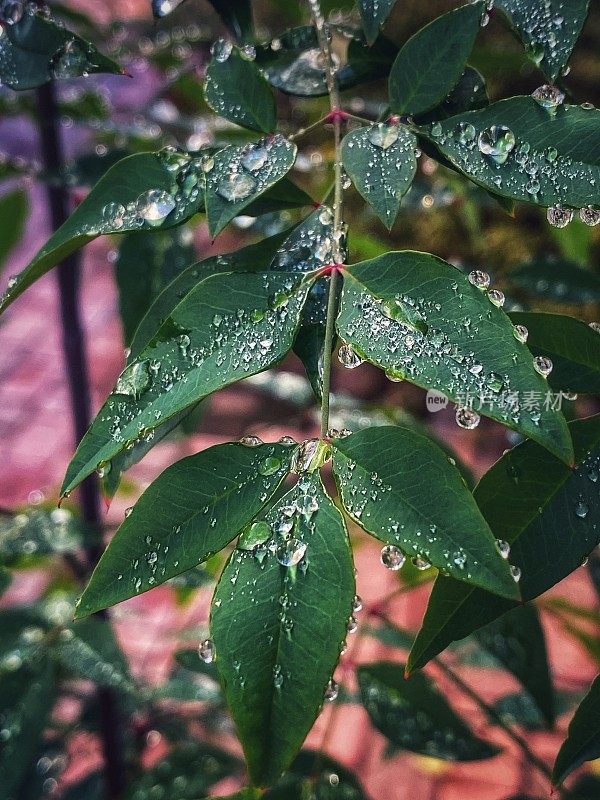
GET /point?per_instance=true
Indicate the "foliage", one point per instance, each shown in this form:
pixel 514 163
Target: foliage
pixel 285 595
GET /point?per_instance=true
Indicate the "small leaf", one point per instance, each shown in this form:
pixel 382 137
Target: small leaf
pixel 556 281
pixel 421 319
pixel 520 150
pixel 545 545
pixel 278 630
pixel 517 641
pixel 38 531
pixel 141 192
pixel 400 487
pixel 381 161
pixel 547 29
pixel 571 345
pixel 374 14
pixel 316 775
pixel 26 699
pixel 414 716
pixel 243 173
pixel 236 15
pixel 470 93
pixel 365 64
pixel 430 64
pixel 292 63
pixel 89 650
pixel 192 510
pixel 231 326
pixel 583 739
pixel 35 49
pixel 235 89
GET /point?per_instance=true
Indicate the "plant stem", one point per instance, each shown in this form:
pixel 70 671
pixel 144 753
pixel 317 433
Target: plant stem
pixel 336 117
pixel 73 341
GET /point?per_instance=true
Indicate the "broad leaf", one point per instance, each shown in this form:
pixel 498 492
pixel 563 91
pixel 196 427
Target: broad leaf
pixel 35 49
pixel 141 192
pixel 381 161
pixel 238 175
pixel 414 716
pixel 557 281
pixel 550 524
pixel 26 699
pixel 315 774
pixel 192 510
pixel 517 641
pixel 520 150
pixel 583 739
pixel 365 64
pixel 547 28
pixel 292 63
pixel 278 630
pixel 13 212
pixel 146 264
pixel 430 64
pixel 469 93
pixel 401 487
pixel 374 14
pixel 236 15
pixel 419 318
pixel 88 649
pixel 235 89
pixel 231 326
pixel 571 345
pixel 38 531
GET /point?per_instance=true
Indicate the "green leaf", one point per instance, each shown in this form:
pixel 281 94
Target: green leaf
pixel 381 161
pixel 278 630
pixel 142 192
pixel 430 64
pixel 146 264
pixel 13 213
pixel 186 772
pixel 22 637
pixel 26 699
pixel 374 14
pixel 548 29
pixel 89 650
pixel 517 641
pixel 241 174
pixel 469 93
pixel 231 326
pixel 185 690
pixel 571 345
pixel 550 523
pixel 90 788
pixel 365 64
pixel 400 487
pixel 38 531
pixel 419 318
pixel 583 739
pixel 529 153
pixel 557 281
pixel 253 258
pixel 192 510
pixel 35 49
pixel 292 67
pixel 311 775
pixel 414 716
pixel 236 15
pixel 235 89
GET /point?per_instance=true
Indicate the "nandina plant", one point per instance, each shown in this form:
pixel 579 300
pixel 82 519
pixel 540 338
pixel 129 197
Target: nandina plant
pixel 286 601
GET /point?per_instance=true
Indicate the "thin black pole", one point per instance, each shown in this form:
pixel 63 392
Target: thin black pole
pixel 76 366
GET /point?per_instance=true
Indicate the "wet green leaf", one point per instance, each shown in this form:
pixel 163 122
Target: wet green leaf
pixel 39 531
pixel 381 162
pixel 292 63
pixel 236 15
pixel 419 318
pixel 374 14
pixel 571 345
pixel 13 213
pixel 400 487
pixel 517 641
pixel 231 326
pixel 430 64
pixel 241 174
pixel 583 740
pixel 520 150
pixel 35 49
pixel 414 716
pixel 547 29
pixel 469 93
pixel 557 281
pixel 192 510
pixel 550 524
pixel 278 630
pixel 235 89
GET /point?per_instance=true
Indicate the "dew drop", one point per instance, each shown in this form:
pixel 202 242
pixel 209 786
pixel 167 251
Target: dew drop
pixel 221 49
pixel 251 441
pixel 357 604
pixel 420 562
pixel 467 418
pixel 590 215
pixel 206 651
pixel 520 333
pixel 255 158
pixel 496 297
pixel 543 365
pixel 558 216
pixel 290 553
pixel 496 142
pixel 352 625
pixel 331 691
pixel 581 509
pixel 236 186
pixel 134 380
pixel 479 278
pixel 383 135
pixel 269 466
pixel 503 548
pixel 392 557
pixel 253 535
pixel 515 573
pixel 549 97
pixel 348 358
